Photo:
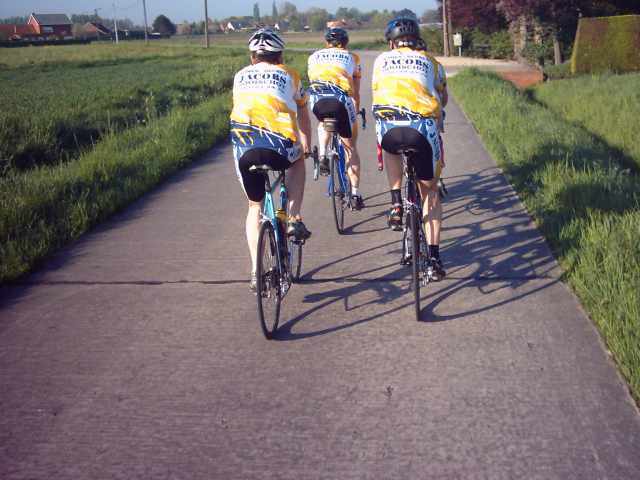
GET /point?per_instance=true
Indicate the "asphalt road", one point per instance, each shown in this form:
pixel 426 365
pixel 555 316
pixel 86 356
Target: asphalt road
pixel 137 353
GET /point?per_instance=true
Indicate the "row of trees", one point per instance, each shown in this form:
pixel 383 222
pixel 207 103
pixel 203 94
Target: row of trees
pixel 538 27
pixel 317 18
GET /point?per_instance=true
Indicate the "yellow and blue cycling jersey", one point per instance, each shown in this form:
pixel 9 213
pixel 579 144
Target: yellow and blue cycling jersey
pixel 334 67
pixel 266 98
pixel 407 84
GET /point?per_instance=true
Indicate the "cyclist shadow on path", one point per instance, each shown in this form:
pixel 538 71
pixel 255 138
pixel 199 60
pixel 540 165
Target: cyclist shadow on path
pixel 498 257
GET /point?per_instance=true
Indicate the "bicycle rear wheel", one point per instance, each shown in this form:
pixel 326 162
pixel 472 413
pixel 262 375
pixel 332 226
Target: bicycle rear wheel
pixel 413 224
pixel 269 291
pixel 337 194
pixel 295 258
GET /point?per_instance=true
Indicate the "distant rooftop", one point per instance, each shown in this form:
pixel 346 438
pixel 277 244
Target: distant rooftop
pixel 50 19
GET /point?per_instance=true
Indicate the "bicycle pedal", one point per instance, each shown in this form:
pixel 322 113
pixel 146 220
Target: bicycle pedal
pixel 406 260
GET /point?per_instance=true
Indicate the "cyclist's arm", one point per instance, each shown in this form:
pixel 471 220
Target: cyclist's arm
pixel 356 91
pixel 304 124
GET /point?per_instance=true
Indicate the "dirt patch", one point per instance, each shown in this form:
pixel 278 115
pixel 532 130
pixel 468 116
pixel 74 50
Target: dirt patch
pixel 523 79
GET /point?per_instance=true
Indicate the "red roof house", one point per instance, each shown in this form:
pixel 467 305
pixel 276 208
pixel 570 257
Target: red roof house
pixel 51 24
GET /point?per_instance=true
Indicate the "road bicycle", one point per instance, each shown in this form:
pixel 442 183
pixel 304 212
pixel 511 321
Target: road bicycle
pixel 415 251
pixel 339 185
pixel 279 256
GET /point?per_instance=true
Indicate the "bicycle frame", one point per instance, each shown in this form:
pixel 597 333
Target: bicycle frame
pixel 342 168
pixel 268 207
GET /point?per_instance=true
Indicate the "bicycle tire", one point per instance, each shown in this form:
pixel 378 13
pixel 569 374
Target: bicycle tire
pixel 268 280
pixel 295 259
pixel 413 223
pixel 337 195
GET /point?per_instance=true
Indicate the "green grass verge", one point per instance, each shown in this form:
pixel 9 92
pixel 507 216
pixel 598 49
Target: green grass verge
pixel 43 210
pixel 606 105
pixel 584 201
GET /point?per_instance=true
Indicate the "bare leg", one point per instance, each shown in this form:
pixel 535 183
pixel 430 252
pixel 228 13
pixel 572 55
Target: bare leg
pixel 295 185
pixel 253 229
pixel 353 160
pixel 431 210
pixel 393 164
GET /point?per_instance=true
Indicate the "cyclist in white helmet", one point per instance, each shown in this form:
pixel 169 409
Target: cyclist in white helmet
pixel 270 125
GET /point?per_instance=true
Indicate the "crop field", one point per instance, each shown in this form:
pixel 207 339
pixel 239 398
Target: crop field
pixel 54 111
pixel 86 129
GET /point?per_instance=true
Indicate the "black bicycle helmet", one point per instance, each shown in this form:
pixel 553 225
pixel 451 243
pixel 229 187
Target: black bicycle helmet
pixel 266 40
pixel 402 27
pixel 336 35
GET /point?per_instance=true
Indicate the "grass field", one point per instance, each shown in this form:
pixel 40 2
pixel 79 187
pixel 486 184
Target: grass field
pixel 54 111
pixel 96 126
pixel 571 171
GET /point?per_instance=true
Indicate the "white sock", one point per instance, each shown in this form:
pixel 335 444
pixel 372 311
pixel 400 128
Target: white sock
pixel 322 145
pixel 354 191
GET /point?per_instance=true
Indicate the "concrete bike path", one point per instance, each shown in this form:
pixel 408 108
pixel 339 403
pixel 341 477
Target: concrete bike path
pixel 136 352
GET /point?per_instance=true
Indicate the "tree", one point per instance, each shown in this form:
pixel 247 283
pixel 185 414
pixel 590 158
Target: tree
pixel 163 25
pixel 256 12
pixel 431 16
pixel 295 23
pixel 14 20
pixel 289 9
pixel 274 11
pixel 481 14
pixel 318 18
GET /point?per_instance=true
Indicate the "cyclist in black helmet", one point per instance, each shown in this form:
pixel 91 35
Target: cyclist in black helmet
pixel 409 92
pixel 334 75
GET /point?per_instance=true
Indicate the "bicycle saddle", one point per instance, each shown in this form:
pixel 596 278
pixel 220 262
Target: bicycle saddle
pixel 330 124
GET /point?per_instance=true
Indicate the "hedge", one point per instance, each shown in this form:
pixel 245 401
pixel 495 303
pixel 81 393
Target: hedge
pixel 607 44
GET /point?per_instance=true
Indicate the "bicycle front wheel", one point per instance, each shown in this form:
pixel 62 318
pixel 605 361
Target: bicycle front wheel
pixel 269 289
pixel 337 194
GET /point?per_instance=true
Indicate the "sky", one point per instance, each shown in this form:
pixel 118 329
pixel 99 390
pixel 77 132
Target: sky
pixel 189 9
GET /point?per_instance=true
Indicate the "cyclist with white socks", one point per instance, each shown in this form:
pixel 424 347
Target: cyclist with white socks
pixel 270 125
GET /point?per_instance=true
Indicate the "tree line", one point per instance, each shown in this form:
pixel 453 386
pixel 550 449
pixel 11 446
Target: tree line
pixel 539 28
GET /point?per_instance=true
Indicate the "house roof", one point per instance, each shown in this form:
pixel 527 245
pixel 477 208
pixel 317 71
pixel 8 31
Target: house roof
pixel 50 19
pixel 97 27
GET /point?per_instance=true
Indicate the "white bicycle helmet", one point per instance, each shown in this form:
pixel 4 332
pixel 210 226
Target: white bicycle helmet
pixel 266 40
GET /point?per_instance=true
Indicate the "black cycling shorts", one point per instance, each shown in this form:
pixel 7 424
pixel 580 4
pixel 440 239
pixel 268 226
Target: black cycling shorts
pixel 333 108
pixel 401 137
pixel 253 182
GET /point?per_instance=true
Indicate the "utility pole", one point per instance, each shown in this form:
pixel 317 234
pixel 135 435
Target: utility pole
pixel 449 27
pixel 146 28
pixel 115 21
pixel 445 27
pixel 206 24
